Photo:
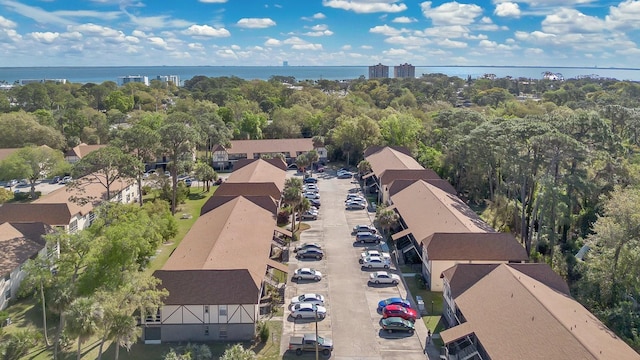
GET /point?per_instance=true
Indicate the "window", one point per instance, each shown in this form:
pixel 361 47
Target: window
pixel 7 294
pixel 222 311
pixel 223 332
pixel 206 309
pixel 73 227
pixel 206 331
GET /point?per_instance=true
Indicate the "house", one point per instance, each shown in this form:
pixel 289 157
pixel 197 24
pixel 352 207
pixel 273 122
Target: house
pixel 425 209
pixel 441 251
pixel 70 208
pixel 224 157
pixel 19 242
pixel 216 276
pixel 520 311
pixel 75 154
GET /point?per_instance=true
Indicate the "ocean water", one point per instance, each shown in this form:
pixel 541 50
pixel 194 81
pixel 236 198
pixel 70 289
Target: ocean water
pixel 100 74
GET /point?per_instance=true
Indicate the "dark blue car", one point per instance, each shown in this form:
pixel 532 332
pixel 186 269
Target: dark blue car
pixel 394 301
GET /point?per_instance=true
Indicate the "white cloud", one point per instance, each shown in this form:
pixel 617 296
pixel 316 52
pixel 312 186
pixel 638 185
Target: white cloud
pixel 227 54
pixel 45 37
pixel 396 52
pixel 206 30
pixel 272 42
pixel 533 51
pixel 255 23
pixel 507 9
pixel 452 44
pixel 37 14
pixel 74 35
pixel 535 36
pixel 319 30
pixel 95 30
pixel 6 23
pixel 316 16
pixel 453 31
pixel 195 46
pixel 624 16
pixel 386 30
pixel 407 40
pixel 366 6
pixel 366 47
pixel 549 3
pixel 404 20
pixel 308 46
pixel 451 13
pixel 104 15
pixel 571 21
pixel 346 47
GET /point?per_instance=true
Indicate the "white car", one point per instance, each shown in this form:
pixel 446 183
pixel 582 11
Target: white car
pixel 363 228
pixel 307 274
pixel 383 277
pixel 315 299
pixel 308 311
pixel 354 205
pixel 311 187
pixel 311 195
pixel 374 253
pixel 376 262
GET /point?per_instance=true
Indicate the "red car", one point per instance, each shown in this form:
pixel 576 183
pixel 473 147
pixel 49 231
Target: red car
pixel 399 311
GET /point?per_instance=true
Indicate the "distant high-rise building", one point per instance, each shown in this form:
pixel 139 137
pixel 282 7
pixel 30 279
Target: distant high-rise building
pixel 285 63
pixel 404 71
pixel 175 79
pixel 42 81
pixel 133 78
pixel 378 71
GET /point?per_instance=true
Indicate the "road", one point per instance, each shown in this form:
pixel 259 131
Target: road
pixel 353 320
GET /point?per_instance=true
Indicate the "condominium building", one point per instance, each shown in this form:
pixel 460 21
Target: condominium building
pixel 133 79
pixel 378 71
pixel 404 71
pixel 175 79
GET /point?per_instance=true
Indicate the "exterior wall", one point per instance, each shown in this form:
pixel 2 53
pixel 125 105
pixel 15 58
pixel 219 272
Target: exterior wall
pixel 220 156
pixel 449 305
pixel 211 332
pixel 10 285
pixel 322 153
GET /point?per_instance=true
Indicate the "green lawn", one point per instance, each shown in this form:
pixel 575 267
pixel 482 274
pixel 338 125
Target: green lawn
pixel 432 300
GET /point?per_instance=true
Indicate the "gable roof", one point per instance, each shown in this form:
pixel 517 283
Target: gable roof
pixel 82 150
pixel 222 240
pixel 230 188
pixel 19 242
pixel 277 162
pixel 426 209
pixel 290 147
pixel 258 171
pixel 389 158
pixel 376 148
pixel 56 214
pixel 491 246
pixel 264 201
pixel 197 287
pixel 6 152
pixel 390 175
pixel 512 314
pixel 444 185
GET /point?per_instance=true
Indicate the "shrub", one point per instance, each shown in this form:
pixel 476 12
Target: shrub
pixel 263 331
pixel 420 281
pixel 283 217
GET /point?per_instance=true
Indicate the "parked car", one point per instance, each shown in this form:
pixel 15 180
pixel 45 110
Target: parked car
pixel 65 180
pixel 310 180
pixel 311 195
pixel 314 202
pixel 371 262
pixel 311 189
pixel 305 246
pixel 355 205
pixel 345 175
pixel 56 179
pixel 307 274
pixel 397 324
pixel 360 200
pixel 394 301
pixel 308 215
pixel 308 311
pixel 374 253
pixel 307 342
pixel 367 237
pixel 320 169
pixel 383 277
pixel 11 183
pixel 399 311
pixel 355 196
pixel 363 228
pixel 188 182
pixel 310 253
pixel 310 298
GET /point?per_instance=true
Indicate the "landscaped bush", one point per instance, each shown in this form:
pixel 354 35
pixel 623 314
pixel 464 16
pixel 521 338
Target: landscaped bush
pixel 283 217
pixel 263 331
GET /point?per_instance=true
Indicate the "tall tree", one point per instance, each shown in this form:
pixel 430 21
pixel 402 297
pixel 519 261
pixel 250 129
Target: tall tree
pixel 32 163
pixel 38 277
pixel 177 139
pixel 106 166
pixel 83 316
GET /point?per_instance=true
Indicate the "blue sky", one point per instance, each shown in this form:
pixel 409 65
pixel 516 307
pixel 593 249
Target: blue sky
pixel 319 32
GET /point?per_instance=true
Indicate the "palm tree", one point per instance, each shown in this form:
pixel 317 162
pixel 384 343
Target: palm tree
pixel 83 317
pixel 124 331
pixel 38 276
pixel 313 157
pixel 292 196
pixel 387 219
pixel 237 352
pixel 302 161
pixel 303 206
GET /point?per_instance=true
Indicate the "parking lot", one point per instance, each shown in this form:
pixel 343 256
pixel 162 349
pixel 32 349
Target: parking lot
pixel 352 320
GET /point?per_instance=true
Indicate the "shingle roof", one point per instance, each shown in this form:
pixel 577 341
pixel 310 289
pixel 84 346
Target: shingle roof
pixel 266 202
pixel 277 162
pixel 83 150
pixel 290 147
pixel 19 242
pixel 515 316
pixel 211 287
pixel 258 171
pixel 6 152
pixel 389 158
pixel 56 214
pixel 399 185
pixel 230 188
pixel 390 175
pixel 426 209
pixel 475 246
pixel 221 240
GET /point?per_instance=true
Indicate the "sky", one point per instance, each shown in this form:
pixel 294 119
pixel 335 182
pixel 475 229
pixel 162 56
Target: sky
pixel 319 32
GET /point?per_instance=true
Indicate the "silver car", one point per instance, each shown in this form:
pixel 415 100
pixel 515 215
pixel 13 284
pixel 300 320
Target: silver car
pixel 376 262
pixel 307 274
pixel 383 277
pixel 308 311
